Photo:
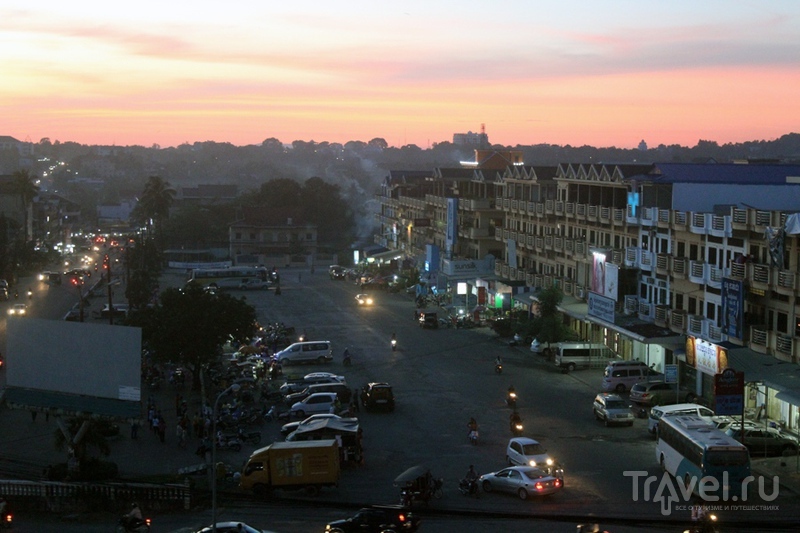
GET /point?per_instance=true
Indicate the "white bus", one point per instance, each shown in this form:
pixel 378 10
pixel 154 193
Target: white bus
pixel 228 278
pixel 690 448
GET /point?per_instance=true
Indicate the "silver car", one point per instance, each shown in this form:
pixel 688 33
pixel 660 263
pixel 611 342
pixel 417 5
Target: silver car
pixel 612 409
pixel 527 452
pixel 523 481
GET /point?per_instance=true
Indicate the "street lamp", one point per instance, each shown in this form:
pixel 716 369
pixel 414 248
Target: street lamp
pixel 233 388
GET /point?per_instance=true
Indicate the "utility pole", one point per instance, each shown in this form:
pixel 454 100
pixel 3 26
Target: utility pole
pixel 107 265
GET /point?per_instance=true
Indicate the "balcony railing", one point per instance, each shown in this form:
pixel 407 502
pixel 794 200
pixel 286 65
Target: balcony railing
pixel 737 270
pixel 759 335
pixel 784 344
pixel 678 320
pixel 695 325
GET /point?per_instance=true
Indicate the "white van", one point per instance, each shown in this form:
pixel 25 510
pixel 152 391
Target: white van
pixel 620 376
pixel 572 355
pixel 678 409
pixel 309 351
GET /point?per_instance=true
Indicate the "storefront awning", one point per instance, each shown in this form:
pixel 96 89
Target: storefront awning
pixel 791 397
pixel 774 373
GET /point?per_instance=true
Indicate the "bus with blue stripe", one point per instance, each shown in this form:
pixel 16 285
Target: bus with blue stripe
pixel 691 449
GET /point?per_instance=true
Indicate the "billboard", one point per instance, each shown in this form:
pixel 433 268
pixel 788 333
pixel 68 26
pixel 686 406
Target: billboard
pixel 96 360
pixel 451 232
pixel 732 307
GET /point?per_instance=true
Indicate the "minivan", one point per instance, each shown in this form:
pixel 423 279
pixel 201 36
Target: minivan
pixel 678 409
pixel 308 351
pixel 572 355
pixel 620 376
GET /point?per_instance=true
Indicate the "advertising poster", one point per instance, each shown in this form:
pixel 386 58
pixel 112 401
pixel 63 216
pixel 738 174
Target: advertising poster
pixel 732 304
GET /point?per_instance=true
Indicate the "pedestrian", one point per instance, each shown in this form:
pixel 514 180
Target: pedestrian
pixel 178 400
pixel 134 429
pixel 180 432
pixel 155 423
pixel 151 414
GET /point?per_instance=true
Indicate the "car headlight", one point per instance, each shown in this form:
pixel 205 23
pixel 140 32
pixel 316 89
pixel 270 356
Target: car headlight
pixel 550 462
pixel 531 463
pixel 369 301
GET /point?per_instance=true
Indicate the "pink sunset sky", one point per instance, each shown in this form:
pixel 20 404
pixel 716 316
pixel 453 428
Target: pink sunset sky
pixel 566 72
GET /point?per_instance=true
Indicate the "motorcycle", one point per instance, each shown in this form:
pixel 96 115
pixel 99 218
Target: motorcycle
pixel 253 437
pixel 346 359
pixel 128 525
pixel 517 429
pixel 469 487
pixel 473 437
pixel 6 519
pixel 228 442
pixel 511 399
pixel 705 524
pixel 394 345
pixel 498 368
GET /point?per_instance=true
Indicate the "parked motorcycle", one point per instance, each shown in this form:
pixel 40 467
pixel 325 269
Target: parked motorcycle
pixel 251 437
pixel 228 442
pixel 469 487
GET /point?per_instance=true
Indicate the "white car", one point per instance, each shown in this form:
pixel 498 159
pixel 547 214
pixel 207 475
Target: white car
pixel 319 402
pixel 527 452
pixel 254 284
pixel 233 527
pixel 18 310
pixel 524 481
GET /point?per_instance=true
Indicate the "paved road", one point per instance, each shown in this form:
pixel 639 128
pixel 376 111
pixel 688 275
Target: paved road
pixel 441 379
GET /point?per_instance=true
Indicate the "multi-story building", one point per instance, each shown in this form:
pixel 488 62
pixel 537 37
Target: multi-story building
pixel 274 237
pixel 673 258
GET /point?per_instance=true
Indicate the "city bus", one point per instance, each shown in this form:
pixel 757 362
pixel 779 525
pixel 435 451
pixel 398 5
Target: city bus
pixel 691 448
pixel 228 278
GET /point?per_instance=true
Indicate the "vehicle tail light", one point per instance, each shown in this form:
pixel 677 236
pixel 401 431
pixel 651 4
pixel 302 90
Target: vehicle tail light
pixel 402 517
pixel 539 485
pixel 558 483
pixel 9 518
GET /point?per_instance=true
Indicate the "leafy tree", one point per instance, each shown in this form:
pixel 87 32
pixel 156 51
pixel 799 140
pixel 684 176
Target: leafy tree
pixel 190 324
pixel 548 326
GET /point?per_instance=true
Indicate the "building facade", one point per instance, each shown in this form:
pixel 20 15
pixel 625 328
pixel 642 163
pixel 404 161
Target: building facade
pixel 666 263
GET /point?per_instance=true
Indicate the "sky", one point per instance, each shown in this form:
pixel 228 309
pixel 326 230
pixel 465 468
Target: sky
pixel 601 73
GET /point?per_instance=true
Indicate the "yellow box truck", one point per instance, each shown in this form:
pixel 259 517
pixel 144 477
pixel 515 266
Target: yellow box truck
pixel 306 465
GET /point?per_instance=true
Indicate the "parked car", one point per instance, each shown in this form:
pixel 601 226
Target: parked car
pixel 319 402
pixel 524 481
pixel 364 299
pixel 254 284
pixel 290 387
pixel 376 519
pixel 291 426
pixel 527 452
pixel 655 393
pixel 680 409
pixel 612 409
pixel 308 351
pixel 342 390
pixel 764 440
pixel 377 396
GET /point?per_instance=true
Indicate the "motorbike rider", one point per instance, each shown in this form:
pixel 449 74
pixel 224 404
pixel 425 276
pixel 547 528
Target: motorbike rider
pixel 30 293
pixel 346 356
pixel 134 518
pixel 511 396
pixel 473 426
pixel 514 419
pixel 498 362
pixel 394 339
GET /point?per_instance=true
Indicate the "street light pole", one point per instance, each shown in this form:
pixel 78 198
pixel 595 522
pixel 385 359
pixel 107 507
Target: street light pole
pixel 233 388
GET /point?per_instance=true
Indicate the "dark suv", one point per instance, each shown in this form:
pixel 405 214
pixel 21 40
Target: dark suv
pixel 377 519
pixel 377 396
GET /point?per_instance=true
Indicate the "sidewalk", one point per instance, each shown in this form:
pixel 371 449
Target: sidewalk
pixel 787 469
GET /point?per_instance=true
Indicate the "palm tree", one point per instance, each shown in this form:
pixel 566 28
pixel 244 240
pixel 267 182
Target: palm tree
pixel 153 206
pixel 23 183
